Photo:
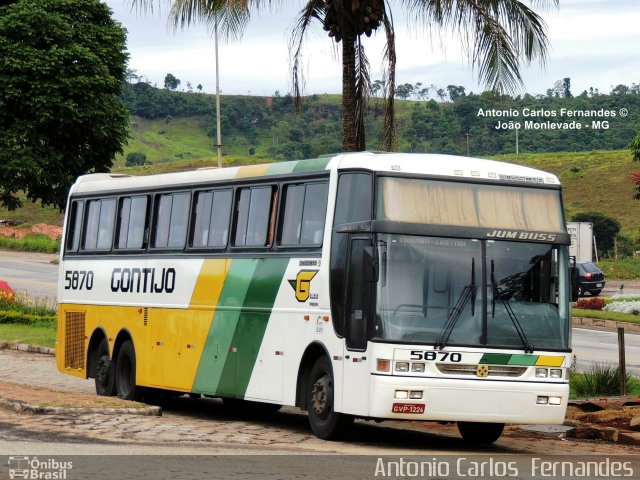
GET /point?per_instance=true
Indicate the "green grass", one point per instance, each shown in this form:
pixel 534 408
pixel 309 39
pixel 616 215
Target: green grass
pixel 603 315
pixel 31 243
pixel 624 269
pixel 43 334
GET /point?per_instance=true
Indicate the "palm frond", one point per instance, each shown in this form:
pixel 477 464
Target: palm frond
pixel 230 16
pixel 313 10
pixel 362 93
pixel 498 34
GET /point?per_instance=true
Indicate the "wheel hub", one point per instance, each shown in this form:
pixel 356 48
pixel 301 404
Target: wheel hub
pixel 319 395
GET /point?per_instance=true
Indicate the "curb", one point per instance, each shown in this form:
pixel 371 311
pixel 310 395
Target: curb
pixel 27 408
pixel 608 324
pixel 24 347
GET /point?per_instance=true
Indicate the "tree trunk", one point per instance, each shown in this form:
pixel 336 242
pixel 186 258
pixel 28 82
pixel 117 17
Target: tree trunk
pixel 352 140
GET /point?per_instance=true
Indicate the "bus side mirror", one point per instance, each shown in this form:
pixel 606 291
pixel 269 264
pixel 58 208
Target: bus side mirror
pixel 575 283
pixel 370 266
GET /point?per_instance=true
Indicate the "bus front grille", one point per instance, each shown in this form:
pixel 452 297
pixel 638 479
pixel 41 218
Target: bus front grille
pixel 74 340
pixel 470 369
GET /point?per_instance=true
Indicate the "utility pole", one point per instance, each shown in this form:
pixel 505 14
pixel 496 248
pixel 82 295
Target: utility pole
pixel 517 145
pixel 218 133
pixel 468 135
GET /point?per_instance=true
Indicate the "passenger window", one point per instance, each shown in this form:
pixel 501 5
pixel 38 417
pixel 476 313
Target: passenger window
pixel 132 222
pixel 171 220
pixel 100 222
pixel 304 212
pixel 211 223
pixel 75 226
pixel 253 216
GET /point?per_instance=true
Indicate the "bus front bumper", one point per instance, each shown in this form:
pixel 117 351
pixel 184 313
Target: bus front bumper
pixel 468 400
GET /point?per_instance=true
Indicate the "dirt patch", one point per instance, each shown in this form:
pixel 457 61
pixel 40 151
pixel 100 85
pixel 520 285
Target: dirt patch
pixel 51 231
pixel 45 397
pixel 618 418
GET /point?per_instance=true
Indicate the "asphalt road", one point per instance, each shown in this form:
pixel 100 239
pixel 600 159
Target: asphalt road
pixel 31 273
pixel 598 346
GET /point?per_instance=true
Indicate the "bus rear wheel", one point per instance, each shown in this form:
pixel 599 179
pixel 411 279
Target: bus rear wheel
pixel 104 374
pixel 126 372
pixel 480 433
pixel 325 422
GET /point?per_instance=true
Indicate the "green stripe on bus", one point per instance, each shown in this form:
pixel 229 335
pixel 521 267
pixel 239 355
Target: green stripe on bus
pixel 313 165
pixel 252 324
pixel 280 168
pixel 223 327
pixel 495 359
pixel 523 360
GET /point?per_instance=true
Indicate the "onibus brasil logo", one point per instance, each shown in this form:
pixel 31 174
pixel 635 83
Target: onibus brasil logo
pixel 35 469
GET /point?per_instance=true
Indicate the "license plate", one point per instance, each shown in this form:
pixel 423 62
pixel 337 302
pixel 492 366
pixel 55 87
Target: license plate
pixel 415 408
pixel 599 285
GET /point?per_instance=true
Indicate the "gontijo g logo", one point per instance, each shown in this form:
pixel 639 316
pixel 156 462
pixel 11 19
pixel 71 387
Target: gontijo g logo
pixel 302 284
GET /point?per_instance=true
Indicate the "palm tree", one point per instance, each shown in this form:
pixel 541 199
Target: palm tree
pixel 498 35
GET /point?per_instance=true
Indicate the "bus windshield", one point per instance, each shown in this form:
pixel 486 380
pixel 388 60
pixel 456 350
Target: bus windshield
pixel 451 291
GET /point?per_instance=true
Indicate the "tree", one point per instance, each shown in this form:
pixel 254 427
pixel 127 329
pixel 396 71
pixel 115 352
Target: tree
pixel 135 159
pixel 499 34
pixel 605 229
pixel 455 92
pixel 171 82
pixel 62 67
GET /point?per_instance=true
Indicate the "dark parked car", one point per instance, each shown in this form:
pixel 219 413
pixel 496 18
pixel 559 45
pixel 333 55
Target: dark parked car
pixel 591 278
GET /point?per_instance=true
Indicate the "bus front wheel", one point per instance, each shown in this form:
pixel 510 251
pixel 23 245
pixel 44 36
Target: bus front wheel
pixel 325 422
pixel 480 433
pixel 126 372
pixel 104 374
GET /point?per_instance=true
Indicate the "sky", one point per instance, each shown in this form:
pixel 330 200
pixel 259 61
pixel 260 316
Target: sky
pixel 593 42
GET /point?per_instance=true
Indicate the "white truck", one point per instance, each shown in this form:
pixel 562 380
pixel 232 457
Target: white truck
pixel 581 240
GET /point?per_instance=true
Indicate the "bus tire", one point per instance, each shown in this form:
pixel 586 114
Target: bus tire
pixel 126 372
pixel 479 433
pixel 325 422
pixel 104 374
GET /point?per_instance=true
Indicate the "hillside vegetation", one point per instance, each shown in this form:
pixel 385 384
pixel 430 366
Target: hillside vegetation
pixel 174 130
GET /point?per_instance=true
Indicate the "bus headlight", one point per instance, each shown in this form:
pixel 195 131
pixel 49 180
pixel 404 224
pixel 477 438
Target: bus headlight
pixel 542 373
pixel 555 373
pixel 402 366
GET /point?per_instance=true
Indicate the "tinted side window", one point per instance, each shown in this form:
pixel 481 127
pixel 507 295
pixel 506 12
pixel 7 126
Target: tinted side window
pixel 253 216
pixel 353 202
pixel 171 220
pixel 99 224
pixel 74 226
pixel 211 222
pixel 304 212
pixel 132 222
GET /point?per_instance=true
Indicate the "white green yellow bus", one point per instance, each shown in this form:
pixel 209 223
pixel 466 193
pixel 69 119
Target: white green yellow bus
pixel 364 285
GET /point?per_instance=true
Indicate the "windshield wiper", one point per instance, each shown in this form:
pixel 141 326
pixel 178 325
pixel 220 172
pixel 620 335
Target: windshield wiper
pixel 468 294
pixel 502 296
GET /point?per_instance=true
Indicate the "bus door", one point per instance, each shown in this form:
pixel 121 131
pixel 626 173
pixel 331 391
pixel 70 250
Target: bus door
pixel 356 374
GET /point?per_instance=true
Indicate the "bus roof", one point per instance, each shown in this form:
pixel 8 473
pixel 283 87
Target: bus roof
pixel 422 164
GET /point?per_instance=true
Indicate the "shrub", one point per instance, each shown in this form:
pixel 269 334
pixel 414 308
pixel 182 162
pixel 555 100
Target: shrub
pixel 595 303
pixel 135 159
pixel 35 242
pixel 601 379
pixel 14 316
